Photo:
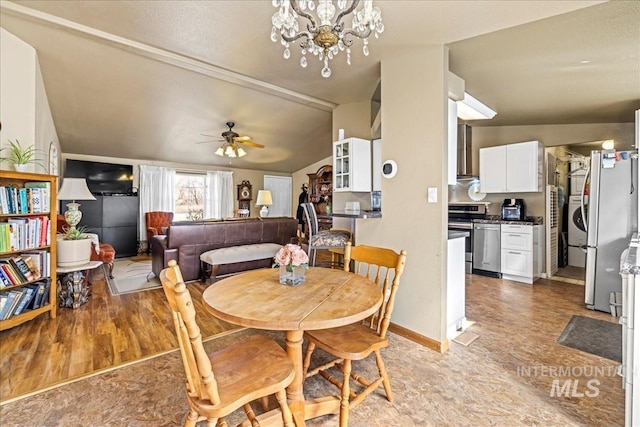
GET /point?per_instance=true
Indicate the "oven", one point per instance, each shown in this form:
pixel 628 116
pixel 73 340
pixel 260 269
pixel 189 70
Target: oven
pixel 461 216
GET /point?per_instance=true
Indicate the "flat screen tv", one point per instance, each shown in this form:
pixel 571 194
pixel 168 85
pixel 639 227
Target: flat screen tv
pixel 102 178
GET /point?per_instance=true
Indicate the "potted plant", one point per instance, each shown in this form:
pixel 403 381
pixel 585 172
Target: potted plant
pixel 21 157
pixel 74 247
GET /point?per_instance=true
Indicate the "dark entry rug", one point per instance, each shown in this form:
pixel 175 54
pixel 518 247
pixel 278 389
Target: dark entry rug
pixel 593 336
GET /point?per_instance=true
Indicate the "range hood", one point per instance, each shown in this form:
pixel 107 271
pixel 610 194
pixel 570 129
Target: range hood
pixel 464 153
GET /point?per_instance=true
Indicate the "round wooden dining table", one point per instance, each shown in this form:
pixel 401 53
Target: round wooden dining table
pixel 328 298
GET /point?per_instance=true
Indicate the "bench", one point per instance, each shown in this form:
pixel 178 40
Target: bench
pixel 211 261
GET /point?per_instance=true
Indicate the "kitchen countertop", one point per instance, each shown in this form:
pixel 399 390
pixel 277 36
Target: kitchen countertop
pixel 496 219
pixel 357 214
pixel 458 234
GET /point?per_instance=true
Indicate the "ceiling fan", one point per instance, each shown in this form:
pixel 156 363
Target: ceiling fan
pixel 232 142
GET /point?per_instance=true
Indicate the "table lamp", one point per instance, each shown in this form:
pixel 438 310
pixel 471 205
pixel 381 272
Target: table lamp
pixel 74 189
pixel 264 200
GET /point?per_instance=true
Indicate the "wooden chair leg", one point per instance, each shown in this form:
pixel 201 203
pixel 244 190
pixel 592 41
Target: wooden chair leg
pixel 385 377
pixel 346 391
pixel 287 418
pixel 192 418
pixel 307 360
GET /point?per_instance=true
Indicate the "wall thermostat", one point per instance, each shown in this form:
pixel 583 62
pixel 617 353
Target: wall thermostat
pixel 389 169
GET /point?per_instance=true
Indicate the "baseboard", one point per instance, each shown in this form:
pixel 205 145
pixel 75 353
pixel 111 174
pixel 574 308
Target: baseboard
pixel 430 343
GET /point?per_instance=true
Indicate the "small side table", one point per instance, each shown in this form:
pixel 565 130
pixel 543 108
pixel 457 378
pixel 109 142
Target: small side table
pixel 73 285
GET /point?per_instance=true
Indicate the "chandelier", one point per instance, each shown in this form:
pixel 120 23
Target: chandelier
pixel 230 149
pixel 326 39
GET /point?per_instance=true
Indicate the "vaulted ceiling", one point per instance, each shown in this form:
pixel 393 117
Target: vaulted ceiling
pixel 145 79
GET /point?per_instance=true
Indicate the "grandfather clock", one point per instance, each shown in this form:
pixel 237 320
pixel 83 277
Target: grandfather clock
pixel 244 197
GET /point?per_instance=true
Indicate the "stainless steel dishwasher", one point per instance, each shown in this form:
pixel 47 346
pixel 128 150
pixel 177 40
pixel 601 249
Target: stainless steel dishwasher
pixel 486 249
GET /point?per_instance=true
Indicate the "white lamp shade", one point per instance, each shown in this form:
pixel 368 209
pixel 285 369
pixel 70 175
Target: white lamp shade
pixel 75 189
pixel 264 198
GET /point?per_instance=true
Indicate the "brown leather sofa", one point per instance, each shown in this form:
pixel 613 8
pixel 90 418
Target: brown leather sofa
pixel 185 241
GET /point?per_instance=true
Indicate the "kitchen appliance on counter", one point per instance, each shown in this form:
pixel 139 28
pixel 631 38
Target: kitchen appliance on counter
pixel 486 249
pixel 461 216
pixel 513 210
pixel 611 219
pixel 376 201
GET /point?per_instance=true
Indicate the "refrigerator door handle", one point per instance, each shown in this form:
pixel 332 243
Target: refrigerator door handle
pixel 590 277
pixel 582 207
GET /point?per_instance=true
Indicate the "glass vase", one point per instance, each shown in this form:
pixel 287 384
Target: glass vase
pixel 291 275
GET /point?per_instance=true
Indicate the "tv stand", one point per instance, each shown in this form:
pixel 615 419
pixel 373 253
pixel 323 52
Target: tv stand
pixel 114 218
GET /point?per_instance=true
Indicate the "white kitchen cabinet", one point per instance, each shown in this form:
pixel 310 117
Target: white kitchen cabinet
pixel 520 252
pixel 352 165
pixel 512 168
pixel 493 164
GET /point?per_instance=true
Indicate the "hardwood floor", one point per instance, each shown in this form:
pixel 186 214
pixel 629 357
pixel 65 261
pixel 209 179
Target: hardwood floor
pixel 486 383
pixel 107 331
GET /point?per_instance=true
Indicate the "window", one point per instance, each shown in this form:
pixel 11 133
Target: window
pixel 190 196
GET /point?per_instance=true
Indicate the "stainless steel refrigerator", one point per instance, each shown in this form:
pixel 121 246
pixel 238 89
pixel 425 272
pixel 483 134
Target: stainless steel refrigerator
pixel 610 221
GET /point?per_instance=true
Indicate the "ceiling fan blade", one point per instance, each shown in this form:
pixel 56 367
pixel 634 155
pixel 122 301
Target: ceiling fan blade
pixel 251 144
pixel 207 142
pixel 241 138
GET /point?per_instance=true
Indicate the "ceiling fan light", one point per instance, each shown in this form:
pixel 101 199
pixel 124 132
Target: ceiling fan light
pixel 220 151
pixel 241 152
pixel 229 152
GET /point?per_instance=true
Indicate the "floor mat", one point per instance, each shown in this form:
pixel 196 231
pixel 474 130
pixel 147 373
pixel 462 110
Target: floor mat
pixel 593 336
pixel 132 276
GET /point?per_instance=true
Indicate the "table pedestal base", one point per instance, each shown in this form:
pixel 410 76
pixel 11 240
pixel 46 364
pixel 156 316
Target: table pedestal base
pixel 74 289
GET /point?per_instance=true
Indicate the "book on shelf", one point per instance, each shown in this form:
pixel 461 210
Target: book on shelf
pixel 9 297
pixel 33 267
pixel 39 289
pixel 3 302
pixel 32 198
pixel 4 280
pixel 23 268
pixel 10 272
pixel 25 299
pixel 14 296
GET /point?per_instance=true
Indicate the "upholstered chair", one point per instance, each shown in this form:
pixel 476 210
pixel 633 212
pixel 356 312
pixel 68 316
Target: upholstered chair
pixel 104 252
pixel 156 223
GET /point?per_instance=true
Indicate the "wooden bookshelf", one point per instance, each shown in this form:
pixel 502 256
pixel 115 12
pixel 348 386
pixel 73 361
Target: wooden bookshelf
pixel 18 180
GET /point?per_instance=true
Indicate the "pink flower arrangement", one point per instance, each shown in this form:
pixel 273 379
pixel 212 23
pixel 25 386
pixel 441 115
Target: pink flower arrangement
pixel 292 255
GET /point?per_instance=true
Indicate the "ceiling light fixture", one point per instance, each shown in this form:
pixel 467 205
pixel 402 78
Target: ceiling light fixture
pixel 608 144
pixel 327 39
pixel 472 109
pixel 230 149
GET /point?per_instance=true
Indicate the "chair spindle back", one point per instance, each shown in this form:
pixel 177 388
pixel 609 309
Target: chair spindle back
pixel 200 378
pixel 384 267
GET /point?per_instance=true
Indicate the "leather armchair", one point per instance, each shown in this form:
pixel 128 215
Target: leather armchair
pixel 155 222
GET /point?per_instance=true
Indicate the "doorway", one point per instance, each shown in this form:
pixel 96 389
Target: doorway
pixel 280 187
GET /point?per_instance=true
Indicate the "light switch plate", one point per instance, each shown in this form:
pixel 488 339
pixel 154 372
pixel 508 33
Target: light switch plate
pixel 432 195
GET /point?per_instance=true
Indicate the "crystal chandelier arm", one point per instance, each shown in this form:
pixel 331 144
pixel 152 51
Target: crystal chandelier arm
pixel 297 36
pixel 360 34
pixel 344 12
pixel 296 8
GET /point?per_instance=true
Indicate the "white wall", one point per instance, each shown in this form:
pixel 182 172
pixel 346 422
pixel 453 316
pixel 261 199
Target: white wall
pixel 414 134
pixel 24 108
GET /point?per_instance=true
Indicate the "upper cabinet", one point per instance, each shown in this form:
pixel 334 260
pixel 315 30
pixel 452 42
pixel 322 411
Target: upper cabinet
pixel 352 165
pixel 513 168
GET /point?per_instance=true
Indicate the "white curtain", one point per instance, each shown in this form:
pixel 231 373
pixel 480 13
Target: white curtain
pixel 219 199
pixel 157 193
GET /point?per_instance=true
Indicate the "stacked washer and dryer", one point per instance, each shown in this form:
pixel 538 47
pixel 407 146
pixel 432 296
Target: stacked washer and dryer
pixel 576 229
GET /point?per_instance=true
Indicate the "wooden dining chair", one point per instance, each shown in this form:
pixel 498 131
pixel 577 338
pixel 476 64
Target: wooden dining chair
pixel 219 383
pixel 321 239
pixel 357 341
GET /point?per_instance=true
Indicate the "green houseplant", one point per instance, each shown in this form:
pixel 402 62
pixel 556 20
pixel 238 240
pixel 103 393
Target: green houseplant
pixel 74 246
pixel 20 156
